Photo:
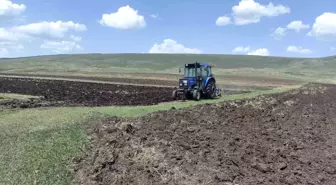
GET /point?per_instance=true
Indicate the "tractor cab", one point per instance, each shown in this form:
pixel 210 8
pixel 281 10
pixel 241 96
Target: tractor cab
pixel 198 81
pixel 195 74
pixel 197 69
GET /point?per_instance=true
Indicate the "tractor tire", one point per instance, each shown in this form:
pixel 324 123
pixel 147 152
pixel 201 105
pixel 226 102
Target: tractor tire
pixel 174 95
pixel 211 89
pixel 196 95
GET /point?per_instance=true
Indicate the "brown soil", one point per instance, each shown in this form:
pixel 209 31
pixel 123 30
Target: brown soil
pixel 106 79
pixel 71 93
pixel 287 138
pixel 74 93
pixel 172 79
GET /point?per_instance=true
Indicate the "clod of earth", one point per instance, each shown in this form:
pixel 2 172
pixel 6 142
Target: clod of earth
pixel 230 143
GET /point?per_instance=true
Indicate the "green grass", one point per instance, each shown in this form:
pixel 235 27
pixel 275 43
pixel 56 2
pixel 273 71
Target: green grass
pixel 105 64
pixel 142 61
pixel 11 96
pixel 37 145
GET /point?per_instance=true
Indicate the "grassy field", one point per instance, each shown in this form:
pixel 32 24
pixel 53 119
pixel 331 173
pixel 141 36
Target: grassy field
pixel 37 145
pixel 108 64
pixel 232 71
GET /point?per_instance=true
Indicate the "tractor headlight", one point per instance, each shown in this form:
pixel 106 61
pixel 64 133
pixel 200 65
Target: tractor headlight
pixel 185 81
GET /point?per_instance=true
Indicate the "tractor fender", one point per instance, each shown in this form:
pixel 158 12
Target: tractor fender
pixel 208 80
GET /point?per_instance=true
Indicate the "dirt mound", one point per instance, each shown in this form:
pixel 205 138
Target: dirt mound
pixel 86 94
pixel 280 139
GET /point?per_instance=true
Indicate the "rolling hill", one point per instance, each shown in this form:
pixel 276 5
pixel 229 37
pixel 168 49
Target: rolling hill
pixel 169 63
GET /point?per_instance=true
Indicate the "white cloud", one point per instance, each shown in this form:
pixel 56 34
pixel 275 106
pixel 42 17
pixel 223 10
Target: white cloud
pixel 6 35
pixel 61 46
pixel 324 26
pixel 11 42
pixel 248 51
pixel 75 38
pixel 49 29
pixel 8 8
pixel 171 46
pixel 294 25
pixel 12 46
pixel 7 47
pixel 222 21
pixel 301 50
pixel 3 52
pixel 297 26
pixel 260 51
pixel 279 33
pixel 249 11
pixel 58 34
pixel 125 18
pixel 155 16
pixel 241 49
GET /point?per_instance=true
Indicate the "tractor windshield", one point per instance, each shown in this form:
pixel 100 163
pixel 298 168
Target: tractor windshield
pixel 191 72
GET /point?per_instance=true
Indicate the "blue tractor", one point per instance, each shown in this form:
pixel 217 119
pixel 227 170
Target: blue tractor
pixel 198 82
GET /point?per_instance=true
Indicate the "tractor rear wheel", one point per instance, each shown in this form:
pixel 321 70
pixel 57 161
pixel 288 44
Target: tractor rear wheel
pixel 211 89
pixel 174 95
pixel 196 95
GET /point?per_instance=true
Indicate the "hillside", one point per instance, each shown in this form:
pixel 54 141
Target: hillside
pixel 169 63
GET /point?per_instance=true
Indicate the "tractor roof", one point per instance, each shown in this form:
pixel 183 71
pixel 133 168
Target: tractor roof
pixel 198 64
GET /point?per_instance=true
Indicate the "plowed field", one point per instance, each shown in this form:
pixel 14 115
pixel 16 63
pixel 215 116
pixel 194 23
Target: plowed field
pixel 287 138
pixel 71 93
pixel 167 83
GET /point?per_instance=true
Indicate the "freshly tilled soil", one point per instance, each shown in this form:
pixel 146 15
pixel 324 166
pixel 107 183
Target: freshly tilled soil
pixel 173 82
pixel 287 138
pixel 75 93
pixel 71 93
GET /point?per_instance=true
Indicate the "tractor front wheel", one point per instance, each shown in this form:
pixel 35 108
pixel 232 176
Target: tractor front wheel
pixel 196 95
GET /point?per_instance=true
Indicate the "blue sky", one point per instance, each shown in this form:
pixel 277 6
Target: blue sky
pixel 189 26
